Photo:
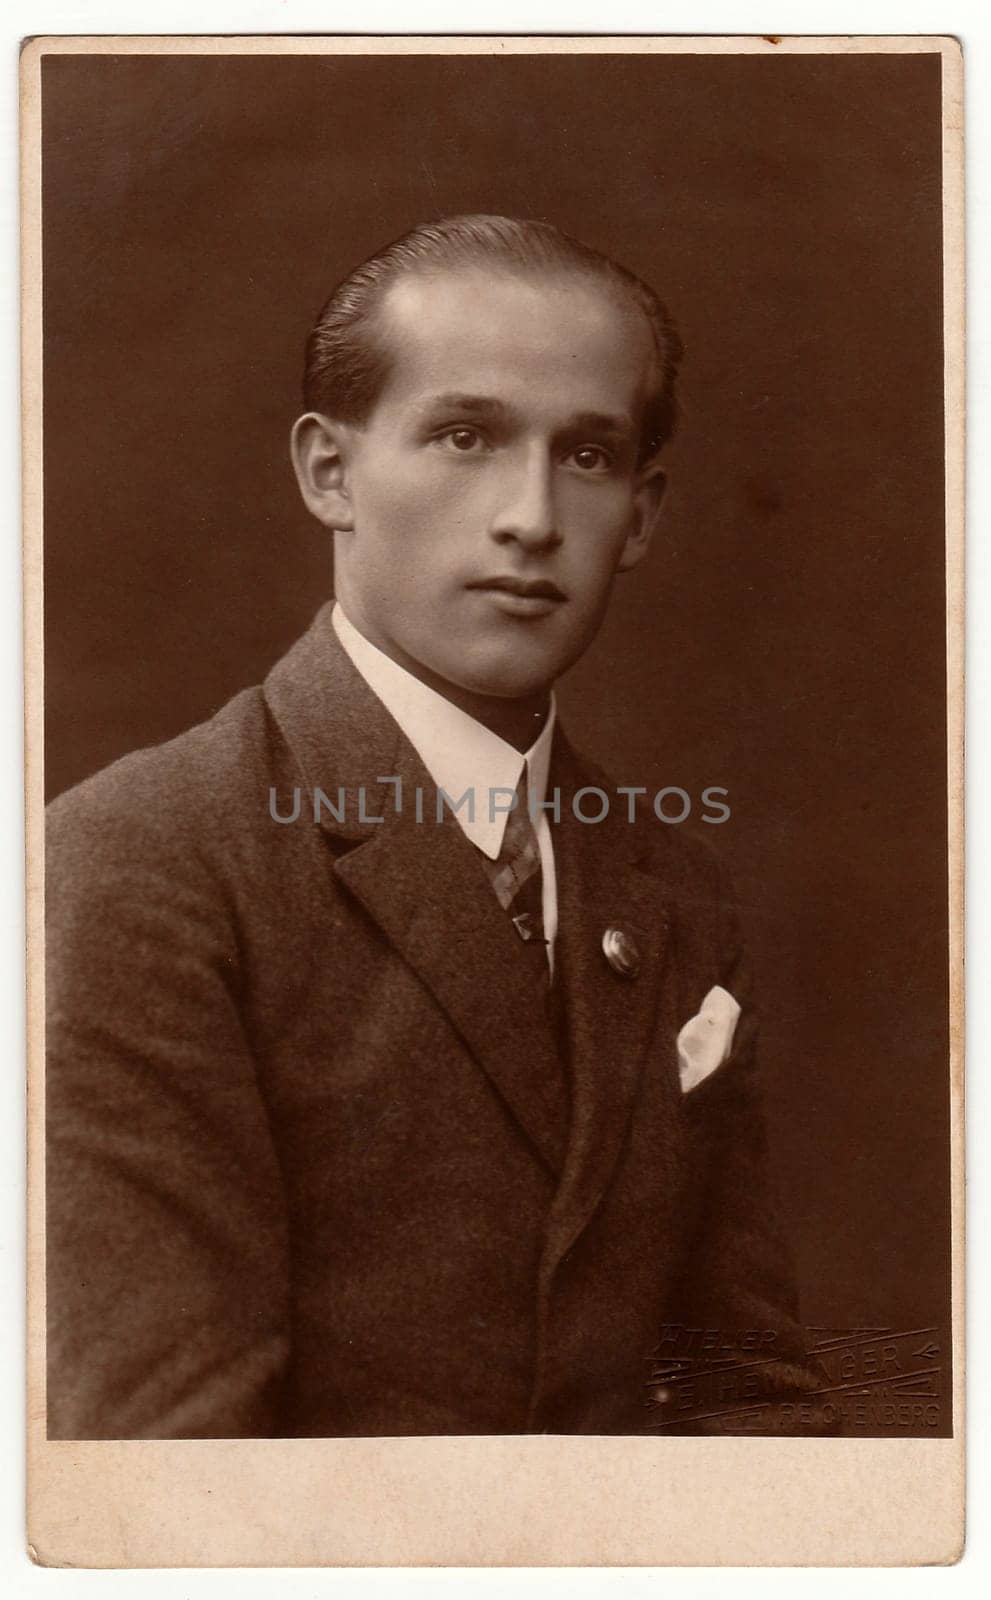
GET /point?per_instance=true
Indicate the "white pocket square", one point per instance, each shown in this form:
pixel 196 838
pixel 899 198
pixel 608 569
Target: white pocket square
pixel 707 1038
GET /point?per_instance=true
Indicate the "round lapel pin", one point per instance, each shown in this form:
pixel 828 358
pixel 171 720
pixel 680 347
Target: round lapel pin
pixel 621 952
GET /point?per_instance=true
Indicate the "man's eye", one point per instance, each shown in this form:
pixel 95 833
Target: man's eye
pixel 592 458
pixel 464 440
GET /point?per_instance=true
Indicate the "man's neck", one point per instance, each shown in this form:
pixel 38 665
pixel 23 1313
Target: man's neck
pixel 519 722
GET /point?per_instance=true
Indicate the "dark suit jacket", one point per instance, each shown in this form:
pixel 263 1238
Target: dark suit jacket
pixel 317 1163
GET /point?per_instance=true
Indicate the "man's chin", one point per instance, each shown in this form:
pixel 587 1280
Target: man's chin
pixel 510 684
pixel 513 674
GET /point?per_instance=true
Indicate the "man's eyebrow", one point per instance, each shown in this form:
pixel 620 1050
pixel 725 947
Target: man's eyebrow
pixel 476 405
pixel 619 426
pixel 615 425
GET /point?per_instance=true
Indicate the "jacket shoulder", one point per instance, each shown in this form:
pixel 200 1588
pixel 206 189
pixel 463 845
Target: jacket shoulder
pixel 178 793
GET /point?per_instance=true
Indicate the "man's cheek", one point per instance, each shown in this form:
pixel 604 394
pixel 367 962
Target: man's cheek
pixel 605 506
pixel 416 501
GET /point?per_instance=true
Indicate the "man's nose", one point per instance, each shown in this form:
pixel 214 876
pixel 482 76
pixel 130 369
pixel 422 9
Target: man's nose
pixel 526 511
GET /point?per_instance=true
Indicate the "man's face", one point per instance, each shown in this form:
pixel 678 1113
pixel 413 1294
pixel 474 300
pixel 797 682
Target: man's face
pixel 494 491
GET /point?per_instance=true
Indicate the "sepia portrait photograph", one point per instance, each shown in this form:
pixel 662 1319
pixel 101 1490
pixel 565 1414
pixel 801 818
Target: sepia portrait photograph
pixel 493 744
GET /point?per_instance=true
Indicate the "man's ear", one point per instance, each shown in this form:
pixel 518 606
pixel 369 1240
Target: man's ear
pixel 318 448
pixel 651 484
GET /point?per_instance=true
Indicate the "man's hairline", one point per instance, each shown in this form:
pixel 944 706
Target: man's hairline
pixel 368 325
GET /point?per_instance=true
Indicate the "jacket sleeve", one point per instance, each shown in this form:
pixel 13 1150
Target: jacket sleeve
pixel 166 1236
pixel 738 1285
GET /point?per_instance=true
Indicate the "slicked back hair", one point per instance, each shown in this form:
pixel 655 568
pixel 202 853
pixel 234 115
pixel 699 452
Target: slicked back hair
pixel 347 363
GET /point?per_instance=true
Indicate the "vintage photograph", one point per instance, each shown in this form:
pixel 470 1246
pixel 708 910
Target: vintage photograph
pixel 497 882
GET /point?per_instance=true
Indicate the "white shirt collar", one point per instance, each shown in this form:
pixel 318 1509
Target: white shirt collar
pixel 458 752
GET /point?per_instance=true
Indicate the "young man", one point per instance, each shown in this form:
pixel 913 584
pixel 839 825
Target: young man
pixel 395 1085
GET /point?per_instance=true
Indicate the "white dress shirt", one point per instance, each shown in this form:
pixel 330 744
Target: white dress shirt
pixel 461 754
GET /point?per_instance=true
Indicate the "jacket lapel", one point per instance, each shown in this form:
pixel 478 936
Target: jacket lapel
pixel 421 881
pixel 605 881
pixel 433 902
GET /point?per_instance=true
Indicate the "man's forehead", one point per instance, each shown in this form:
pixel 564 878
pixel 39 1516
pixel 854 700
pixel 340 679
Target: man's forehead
pixel 447 321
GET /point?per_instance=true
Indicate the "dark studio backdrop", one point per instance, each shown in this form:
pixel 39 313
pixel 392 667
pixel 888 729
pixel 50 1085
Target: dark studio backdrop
pixel 784 640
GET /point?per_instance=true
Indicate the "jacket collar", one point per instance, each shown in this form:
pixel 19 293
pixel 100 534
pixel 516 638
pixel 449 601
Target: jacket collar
pixel 338 732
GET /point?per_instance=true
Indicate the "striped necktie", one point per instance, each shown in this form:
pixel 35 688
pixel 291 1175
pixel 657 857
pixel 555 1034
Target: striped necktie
pixel 516 874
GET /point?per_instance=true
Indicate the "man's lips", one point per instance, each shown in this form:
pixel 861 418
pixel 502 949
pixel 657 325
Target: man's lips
pixel 523 588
